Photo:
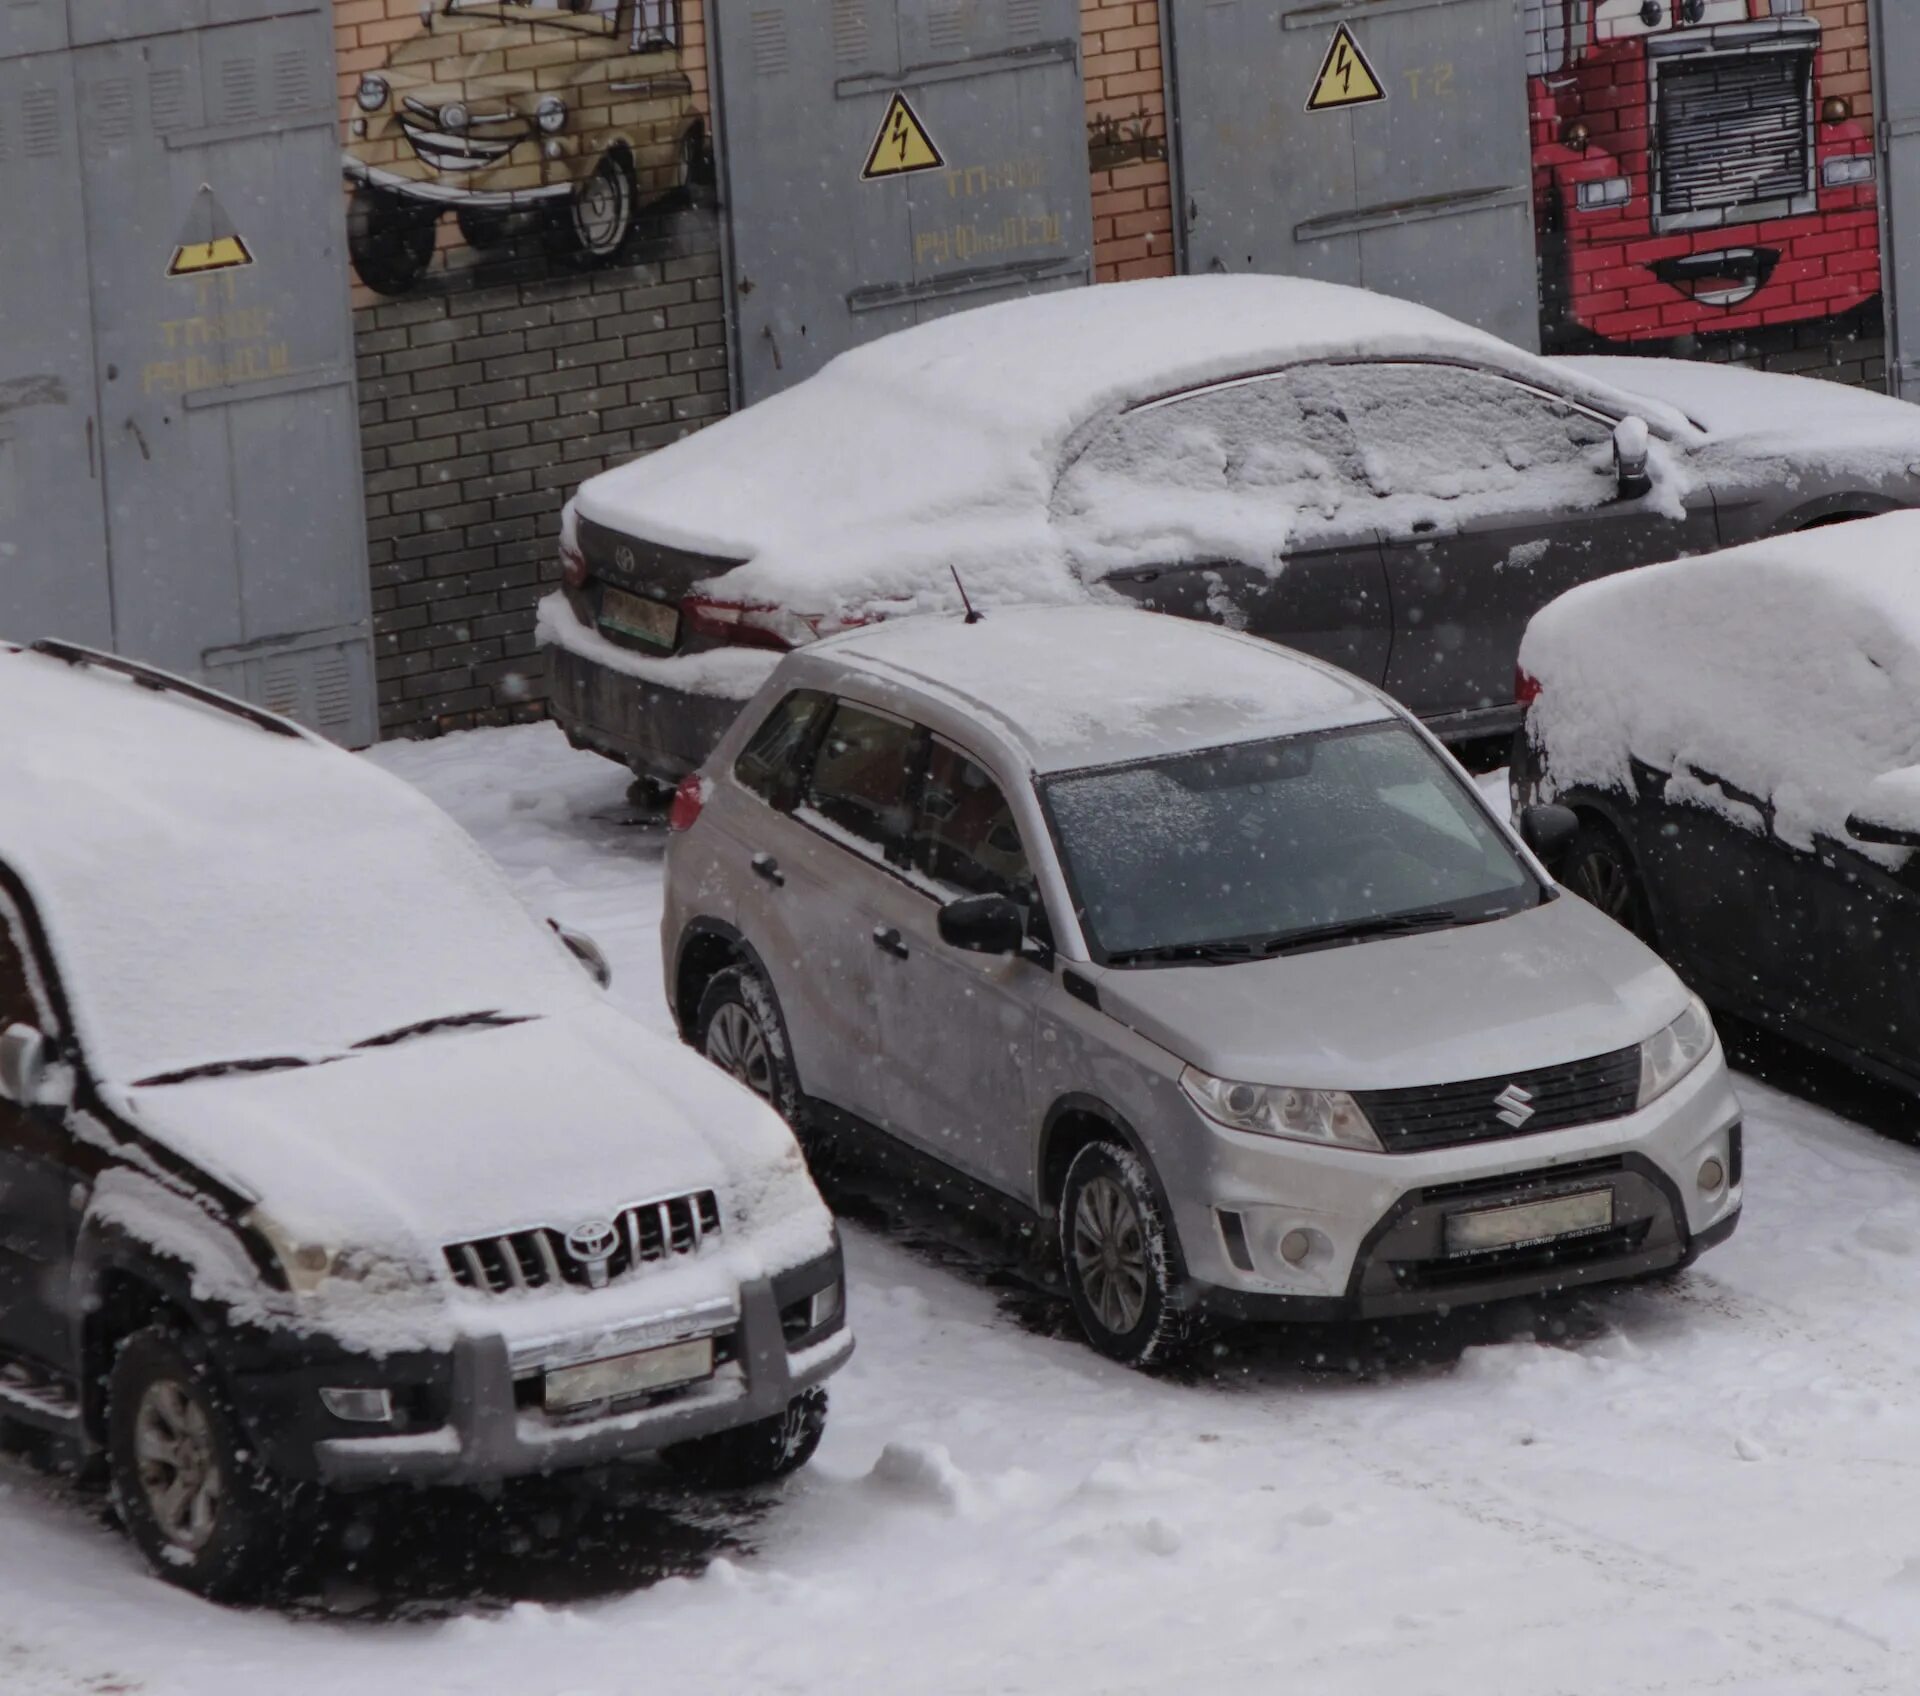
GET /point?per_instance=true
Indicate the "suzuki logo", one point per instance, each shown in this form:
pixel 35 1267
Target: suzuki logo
pixel 1515 1104
pixel 592 1245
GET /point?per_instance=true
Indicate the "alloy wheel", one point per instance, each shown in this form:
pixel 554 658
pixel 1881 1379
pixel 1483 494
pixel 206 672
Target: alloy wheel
pixel 737 1045
pixel 1110 1255
pixel 1602 880
pixel 179 1464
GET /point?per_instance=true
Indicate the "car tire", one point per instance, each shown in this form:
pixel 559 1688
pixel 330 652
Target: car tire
pixel 739 1028
pixel 390 240
pixel 1119 1258
pixel 483 229
pixel 760 1453
pixel 592 225
pixel 195 1499
pixel 1599 868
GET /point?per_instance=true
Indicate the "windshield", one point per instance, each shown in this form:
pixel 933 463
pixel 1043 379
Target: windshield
pixel 1248 849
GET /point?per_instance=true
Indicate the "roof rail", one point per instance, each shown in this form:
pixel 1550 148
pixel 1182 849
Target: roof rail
pixel 152 677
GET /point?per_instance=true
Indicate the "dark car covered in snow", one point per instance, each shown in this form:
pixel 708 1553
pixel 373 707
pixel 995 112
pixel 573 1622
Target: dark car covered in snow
pixel 322 1163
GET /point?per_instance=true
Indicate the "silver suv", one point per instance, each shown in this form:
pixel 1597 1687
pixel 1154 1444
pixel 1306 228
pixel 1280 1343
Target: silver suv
pixel 1205 951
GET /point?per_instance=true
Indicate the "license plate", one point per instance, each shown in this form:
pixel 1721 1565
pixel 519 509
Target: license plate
pixel 635 615
pixel 623 1375
pixel 1526 1223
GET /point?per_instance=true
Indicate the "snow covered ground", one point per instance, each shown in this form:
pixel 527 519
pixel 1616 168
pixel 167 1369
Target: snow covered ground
pixel 1699 1484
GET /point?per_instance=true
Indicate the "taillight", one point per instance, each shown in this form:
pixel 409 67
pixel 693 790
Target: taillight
pixel 743 624
pixel 1526 687
pixel 573 565
pixel 688 799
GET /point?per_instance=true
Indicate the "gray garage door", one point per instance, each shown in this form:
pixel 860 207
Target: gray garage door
pixel 179 457
pixel 1896 57
pixel 886 161
pixel 1379 142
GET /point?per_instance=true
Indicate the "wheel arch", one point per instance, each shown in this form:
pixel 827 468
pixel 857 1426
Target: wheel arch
pixel 707 948
pixel 1074 1121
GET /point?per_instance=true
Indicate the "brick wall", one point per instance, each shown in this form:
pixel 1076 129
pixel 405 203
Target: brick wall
pixel 1127 117
pixel 489 391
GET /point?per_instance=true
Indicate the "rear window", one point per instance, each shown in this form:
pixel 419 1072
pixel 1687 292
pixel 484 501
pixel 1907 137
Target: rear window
pixel 859 783
pixel 773 763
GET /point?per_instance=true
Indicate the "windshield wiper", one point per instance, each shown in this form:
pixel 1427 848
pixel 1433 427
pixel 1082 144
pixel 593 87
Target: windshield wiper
pixel 1192 953
pixel 1362 930
pixel 446 1022
pixel 219 1068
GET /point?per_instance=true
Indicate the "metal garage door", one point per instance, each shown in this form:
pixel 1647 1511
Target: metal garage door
pixel 173 306
pixel 1379 142
pixel 838 233
pixel 1896 59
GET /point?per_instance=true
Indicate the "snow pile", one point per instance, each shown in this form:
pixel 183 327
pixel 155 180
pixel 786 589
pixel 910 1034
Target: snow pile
pixel 1076 685
pixel 942 444
pixel 1788 670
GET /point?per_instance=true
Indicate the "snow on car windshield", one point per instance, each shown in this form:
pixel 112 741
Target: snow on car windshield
pixel 1264 841
pixel 217 893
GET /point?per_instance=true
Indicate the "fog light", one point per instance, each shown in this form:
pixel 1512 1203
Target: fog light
pixel 826 1305
pixel 362 1407
pixel 1295 1246
pixel 555 150
pixel 1712 1175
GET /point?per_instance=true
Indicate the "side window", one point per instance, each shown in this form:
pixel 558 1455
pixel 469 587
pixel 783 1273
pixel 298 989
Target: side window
pixel 859 783
pixel 1444 433
pixel 1243 467
pixel 772 763
pixel 964 832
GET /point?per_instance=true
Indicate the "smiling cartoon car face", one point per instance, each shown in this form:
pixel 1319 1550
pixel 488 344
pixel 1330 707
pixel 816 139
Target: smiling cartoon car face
pixel 578 109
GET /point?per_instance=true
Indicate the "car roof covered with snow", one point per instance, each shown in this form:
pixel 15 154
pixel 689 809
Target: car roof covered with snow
pixel 944 442
pixel 216 890
pixel 1067 687
pixel 1786 671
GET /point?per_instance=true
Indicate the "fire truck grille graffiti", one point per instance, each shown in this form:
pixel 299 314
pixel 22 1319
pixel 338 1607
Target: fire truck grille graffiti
pixel 1733 133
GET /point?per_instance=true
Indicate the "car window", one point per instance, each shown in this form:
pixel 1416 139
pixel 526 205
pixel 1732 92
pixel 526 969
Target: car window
pixel 965 836
pixel 859 783
pixel 1234 471
pixel 773 762
pixel 1443 433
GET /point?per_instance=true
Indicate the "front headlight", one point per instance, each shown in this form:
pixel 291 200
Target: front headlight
pixel 1328 1116
pixel 551 115
pixel 1667 1058
pixel 372 92
pixel 309 1267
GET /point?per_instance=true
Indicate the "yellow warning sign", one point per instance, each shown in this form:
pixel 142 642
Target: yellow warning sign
pixel 902 146
pixel 210 242
pixel 1346 79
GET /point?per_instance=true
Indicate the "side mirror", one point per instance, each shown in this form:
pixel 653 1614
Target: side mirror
pixel 1549 831
pixel 1631 447
pixel 584 949
pixel 29 1074
pixel 1886 835
pixel 984 924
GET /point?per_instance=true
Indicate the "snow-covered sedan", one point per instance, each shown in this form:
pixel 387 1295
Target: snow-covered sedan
pixel 1355 476
pixel 322 1162
pixel 1739 735
pixel 1200 953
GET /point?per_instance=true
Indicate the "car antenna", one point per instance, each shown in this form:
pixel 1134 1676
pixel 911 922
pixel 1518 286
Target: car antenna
pixel 972 616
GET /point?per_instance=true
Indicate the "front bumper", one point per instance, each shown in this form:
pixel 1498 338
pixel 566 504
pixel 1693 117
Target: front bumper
pixel 447 195
pixel 1377 1227
pixel 474 1413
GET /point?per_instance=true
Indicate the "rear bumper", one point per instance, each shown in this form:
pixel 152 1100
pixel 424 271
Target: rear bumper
pixel 655 730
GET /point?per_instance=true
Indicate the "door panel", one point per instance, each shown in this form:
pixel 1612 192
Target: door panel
pixel 1858 932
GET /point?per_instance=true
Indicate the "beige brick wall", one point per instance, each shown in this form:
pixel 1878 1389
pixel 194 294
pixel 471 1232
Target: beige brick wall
pixel 1132 203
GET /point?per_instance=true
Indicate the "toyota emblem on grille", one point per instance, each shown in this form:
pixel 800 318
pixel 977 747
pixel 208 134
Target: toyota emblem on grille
pixel 1515 1104
pixel 592 1245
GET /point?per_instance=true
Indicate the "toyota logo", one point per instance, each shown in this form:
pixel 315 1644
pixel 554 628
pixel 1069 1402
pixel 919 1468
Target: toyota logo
pixel 592 1245
pixel 1515 1104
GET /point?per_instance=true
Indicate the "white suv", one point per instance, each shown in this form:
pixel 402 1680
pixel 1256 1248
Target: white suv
pixel 1202 949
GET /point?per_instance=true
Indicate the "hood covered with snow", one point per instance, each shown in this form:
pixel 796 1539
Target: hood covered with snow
pixel 1558 982
pixel 475 1132
pixel 1788 669
pixel 941 445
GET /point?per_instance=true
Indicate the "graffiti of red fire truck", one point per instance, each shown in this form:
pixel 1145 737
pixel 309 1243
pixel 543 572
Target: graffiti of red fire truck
pixel 1690 173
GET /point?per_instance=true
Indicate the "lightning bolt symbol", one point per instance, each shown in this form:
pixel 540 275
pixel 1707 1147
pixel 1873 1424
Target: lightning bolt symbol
pixel 900 134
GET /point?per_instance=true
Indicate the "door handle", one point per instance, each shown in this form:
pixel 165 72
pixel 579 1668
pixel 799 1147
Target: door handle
pixel 887 940
pixel 766 866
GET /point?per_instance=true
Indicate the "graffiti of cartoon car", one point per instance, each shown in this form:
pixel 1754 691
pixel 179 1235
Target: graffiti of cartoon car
pixel 578 110
pixel 1696 168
